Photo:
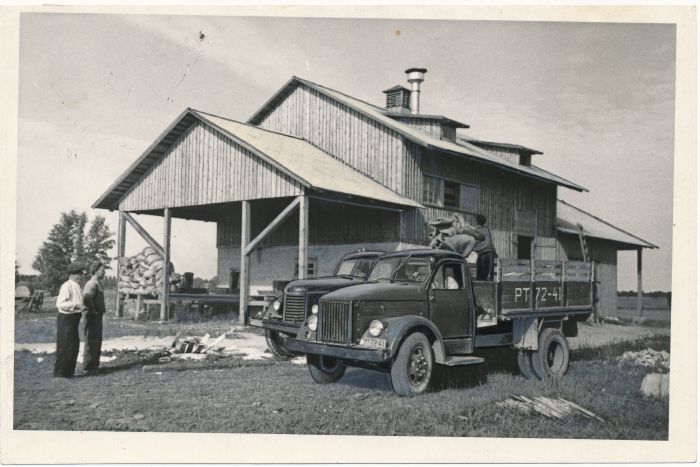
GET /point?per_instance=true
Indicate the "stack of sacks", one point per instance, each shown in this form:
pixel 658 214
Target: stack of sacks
pixel 143 273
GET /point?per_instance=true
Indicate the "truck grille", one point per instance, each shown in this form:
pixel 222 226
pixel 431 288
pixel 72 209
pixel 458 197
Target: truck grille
pixel 334 323
pixel 294 308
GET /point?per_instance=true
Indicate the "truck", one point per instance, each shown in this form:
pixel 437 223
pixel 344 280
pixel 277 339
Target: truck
pixel 421 308
pixel 287 313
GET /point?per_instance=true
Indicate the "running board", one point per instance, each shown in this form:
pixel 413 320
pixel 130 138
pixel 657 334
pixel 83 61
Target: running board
pixel 463 361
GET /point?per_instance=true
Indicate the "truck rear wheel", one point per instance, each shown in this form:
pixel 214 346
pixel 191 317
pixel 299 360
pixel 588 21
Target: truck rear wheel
pixel 525 363
pixel 551 359
pixel 325 370
pixel 275 342
pixel 413 366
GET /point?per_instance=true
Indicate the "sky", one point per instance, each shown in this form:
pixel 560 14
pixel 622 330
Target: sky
pixel 596 98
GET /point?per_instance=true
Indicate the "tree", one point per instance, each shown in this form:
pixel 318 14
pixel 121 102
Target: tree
pixel 16 272
pixel 67 244
pixel 99 241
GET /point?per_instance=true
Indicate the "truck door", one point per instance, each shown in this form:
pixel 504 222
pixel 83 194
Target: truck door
pixel 448 295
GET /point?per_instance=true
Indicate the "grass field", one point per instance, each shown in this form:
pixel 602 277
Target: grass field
pixel 266 396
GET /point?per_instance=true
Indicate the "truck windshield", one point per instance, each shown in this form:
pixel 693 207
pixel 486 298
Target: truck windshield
pixel 358 267
pixel 400 269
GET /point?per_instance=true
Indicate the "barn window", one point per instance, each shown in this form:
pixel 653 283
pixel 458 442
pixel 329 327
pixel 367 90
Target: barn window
pixel 451 194
pixel 310 267
pixel 469 197
pixel 432 190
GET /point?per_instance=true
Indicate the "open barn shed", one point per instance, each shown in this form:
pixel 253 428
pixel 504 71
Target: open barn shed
pixel 315 174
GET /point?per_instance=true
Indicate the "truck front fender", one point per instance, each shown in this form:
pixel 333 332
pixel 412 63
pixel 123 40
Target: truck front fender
pixel 397 329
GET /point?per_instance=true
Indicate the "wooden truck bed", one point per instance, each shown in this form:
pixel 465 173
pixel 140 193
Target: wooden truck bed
pixel 525 288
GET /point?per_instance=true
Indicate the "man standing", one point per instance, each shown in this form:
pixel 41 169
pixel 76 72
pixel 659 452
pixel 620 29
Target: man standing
pixel 94 299
pixel 484 248
pixel 70 306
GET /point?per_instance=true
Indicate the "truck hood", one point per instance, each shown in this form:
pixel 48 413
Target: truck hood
pixel 379 291
pixel 321 284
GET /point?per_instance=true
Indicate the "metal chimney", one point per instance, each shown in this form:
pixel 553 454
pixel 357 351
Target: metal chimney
pixel 415 77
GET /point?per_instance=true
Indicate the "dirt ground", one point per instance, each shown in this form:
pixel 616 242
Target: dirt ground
pixel 243 389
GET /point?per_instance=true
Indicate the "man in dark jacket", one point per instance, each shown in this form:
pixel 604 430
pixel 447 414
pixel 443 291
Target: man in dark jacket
pixel 484 248
pixel 94 299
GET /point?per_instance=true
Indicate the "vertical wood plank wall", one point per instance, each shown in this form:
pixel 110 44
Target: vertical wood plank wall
pixel 386 157
pixel 605 255
pixel 329 223
pixel 501 194
pixel 345 134
pixel 204 167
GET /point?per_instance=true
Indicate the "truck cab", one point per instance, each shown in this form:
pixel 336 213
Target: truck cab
pixel 418 308
pixel 288 312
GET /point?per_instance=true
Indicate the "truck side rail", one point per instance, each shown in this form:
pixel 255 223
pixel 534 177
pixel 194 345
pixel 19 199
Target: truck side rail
pixel 539 287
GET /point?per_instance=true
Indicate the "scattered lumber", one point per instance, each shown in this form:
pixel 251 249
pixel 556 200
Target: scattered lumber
pixel 199 345
pixel 550 408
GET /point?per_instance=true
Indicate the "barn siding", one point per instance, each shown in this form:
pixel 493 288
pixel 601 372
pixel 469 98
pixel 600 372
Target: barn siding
pixel 205 167
pixel 501 194
pixel 605 255
pixel 329 223
pixel 345 134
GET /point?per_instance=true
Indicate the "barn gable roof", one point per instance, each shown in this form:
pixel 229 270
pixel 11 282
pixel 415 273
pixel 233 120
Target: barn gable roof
pixel 463 149
pixel 293 156
pixel 569 216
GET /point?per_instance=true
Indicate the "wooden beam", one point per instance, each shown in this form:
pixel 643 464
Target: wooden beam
pixel 164 296
pixel 141 231
pixel 245 272
pixel 121 251
pixel 272 225
pixel 640 307
pixel 303 236
pixel 351 203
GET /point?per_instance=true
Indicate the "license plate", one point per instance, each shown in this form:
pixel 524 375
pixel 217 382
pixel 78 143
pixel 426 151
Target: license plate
pixel 373 342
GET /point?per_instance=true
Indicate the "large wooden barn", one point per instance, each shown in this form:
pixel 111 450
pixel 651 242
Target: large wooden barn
pixel 316 173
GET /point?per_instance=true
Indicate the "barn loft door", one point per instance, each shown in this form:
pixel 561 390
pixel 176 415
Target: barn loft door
pixel 524 234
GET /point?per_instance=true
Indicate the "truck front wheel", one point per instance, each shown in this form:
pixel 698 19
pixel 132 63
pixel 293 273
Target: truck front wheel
pixel 551 359
pixel 325 370
pixel 413 366
pixel 275 342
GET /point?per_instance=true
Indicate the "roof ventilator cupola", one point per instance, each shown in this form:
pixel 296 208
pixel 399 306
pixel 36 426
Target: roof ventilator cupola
pixel 415 77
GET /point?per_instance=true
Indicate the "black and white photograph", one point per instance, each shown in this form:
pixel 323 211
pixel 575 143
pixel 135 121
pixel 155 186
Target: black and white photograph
pixel 349 225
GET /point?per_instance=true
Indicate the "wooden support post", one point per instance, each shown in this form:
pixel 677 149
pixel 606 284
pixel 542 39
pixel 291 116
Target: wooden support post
pixel 165 294
pixel 303 236
pixel 640 304
pixel 139 306
pixel 245 270
pixel 121 252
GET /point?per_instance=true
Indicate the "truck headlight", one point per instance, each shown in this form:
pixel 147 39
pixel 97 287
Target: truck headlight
pixel 313 322
pixel 375 328
pixel 276 305
pixel 314 309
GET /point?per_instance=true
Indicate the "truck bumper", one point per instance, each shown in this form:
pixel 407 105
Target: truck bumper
pixel 280 326
pixel 358 354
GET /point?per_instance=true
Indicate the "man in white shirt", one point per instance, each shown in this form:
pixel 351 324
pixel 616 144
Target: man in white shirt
pixel 70 307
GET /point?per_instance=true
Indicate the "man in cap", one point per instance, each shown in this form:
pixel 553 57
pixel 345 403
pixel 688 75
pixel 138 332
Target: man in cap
pixel 94 299
pixel 70 306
